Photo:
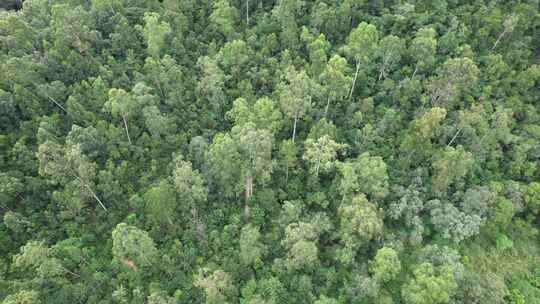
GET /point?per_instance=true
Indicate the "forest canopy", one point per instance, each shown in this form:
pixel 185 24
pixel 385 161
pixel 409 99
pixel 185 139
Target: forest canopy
pixel 269 151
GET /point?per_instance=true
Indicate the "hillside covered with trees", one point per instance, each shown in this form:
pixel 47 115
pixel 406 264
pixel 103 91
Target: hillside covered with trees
pixel 270 151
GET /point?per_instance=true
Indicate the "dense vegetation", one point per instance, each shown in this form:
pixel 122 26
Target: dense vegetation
pixel 236 151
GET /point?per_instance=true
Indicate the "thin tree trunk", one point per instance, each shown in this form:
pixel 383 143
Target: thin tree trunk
pixel 455 136
pixel 327 106
pixel 498 40
pixel 126 127
pixel 355 77
pixel 415 70
pixel 71 272
pixel 294 127
pixel 383 67
pixel 247 12
pixel 57 103
pixel 199 227
pixel 93 193
pixel 248 190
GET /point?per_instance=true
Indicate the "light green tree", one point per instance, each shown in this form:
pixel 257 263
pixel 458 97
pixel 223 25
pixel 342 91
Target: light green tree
pixel 23 297
pixel 423 48
pixel 389 51
pixel 456 75
pixel 241 157
pixel 360 222
pixel 70 167
pixel 133 246
pixel 160 203
pixel 450 165
pixel 155 33
pixel 386 265
pixel 367 174
pixel 192 192
pixel 335 80
pixel 223 18
pixel 361 47
pixel 251 247
pixel 295 94
pixel 321 154
pixel 218 286
pixel 430 285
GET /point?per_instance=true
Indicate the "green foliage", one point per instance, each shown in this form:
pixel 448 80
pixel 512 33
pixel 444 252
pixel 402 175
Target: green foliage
pixel 23 297
pixel 430 284
pixel 160 203
pixel 321 154
pixel 133 247
pixel 155 33
pixel 386 265
pixel 180 151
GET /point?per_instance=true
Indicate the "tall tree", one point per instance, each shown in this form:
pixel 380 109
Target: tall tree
pixel 361 47
pixel 69 167
pixel 295 95
pixel 133 247
pixel 321 153
pixel 192 192
pixel 335 80
pixel 223 18
pixel 244 154
pixel 423 48
pixel 155 33
pixel 389 51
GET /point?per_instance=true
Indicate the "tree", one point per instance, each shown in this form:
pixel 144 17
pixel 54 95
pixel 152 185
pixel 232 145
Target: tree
pixel 160 203
pixel 288 152
pixel 424 48
pixel 70 167
pixel 386 265
pixel 508 27
pixel 367 174
pixel 430 285
pixel 321 154
pixel 133 247
pixel 234 57
pixel 211 83
pixel 418 142
pixel 325 300
pixel 450 165
pixel 454 77
pixel 243 156
pixel 389 51
pixel 158 124
pixel 124 104
pixel 23 297
pixel 264 114
pixel 223 18
pixel 160 298
pixel 453 223
pixel 121 104
pixel 335 80
pixel 300 241
pixel 318 48
pixel 217 286
pixel 285 13
pixel 361 46
pixel 192 191
pixel 295 95
pixel 155 33
pixel 360 222
pixel 38 258
pixel 251 248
